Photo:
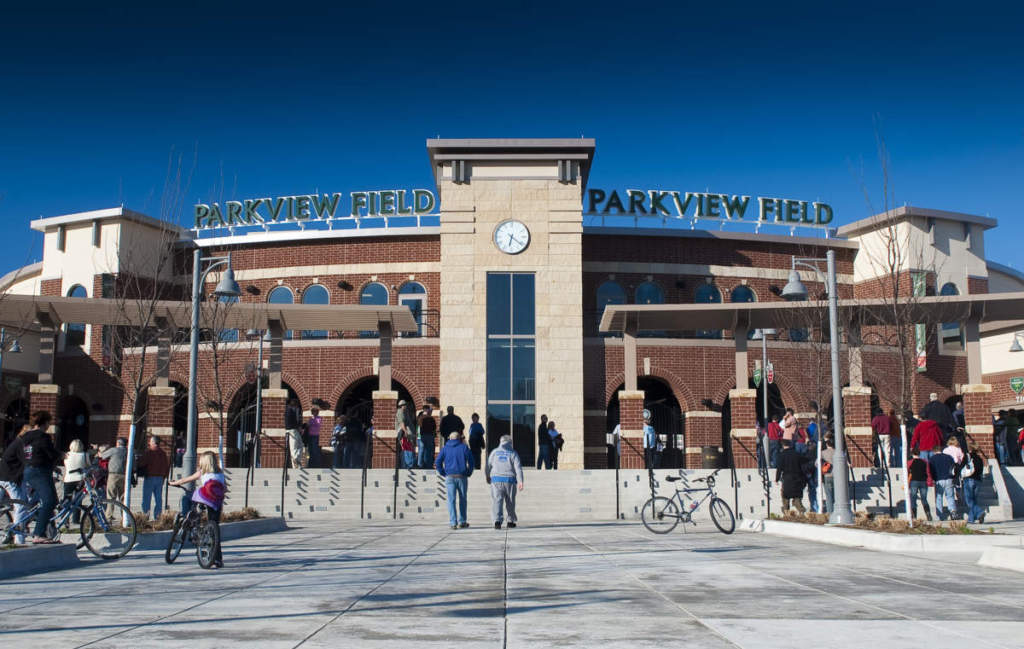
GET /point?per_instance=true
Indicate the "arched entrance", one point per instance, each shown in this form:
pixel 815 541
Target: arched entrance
pixel 73 422
pixel 666 418
pixel 15 415
pixel 776 406
pixel 357 400
pixel 242 424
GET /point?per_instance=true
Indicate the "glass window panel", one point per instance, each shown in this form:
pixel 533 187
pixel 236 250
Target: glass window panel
pixel 373 294
pixel 522 304
pixel 649 293
pixel 742 293
pixel 523 370
pixel 74 333
pixel 499 370
pixel 499 303
pixel 950 331
pixel 708 294
pixel 524 433
pixel 415 305
pixel 498 423
pixel 226 335
pixel 315 294
pixel 412 288
pixel 281 295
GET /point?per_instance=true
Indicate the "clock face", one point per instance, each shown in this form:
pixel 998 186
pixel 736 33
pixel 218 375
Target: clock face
pixel 511 237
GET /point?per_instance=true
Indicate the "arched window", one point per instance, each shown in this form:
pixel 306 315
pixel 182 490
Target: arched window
pixel 315 294
pixel 373 294
pixel 742 293
pixel 950 333
pixel 649 293
pixel 74 333
pixel 707 294
pixel 282 295
pixel 414 296
pixel 609 292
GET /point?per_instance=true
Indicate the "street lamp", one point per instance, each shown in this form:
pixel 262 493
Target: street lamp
pixel 227 287
pixel 762 335
pixel 795 290
pixel 14 349
pixel 1015 345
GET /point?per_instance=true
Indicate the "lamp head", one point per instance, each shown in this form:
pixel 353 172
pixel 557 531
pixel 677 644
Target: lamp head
pixel 227 286
pixel 1015 345
pixel 794 289
pixel 16 347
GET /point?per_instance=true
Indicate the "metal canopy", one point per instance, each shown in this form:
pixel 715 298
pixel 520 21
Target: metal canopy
pixel 20 311
pixel 1001 310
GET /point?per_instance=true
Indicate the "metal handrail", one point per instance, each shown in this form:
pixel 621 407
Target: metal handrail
pixel 884 462
pixel 398 463
pixel 762 470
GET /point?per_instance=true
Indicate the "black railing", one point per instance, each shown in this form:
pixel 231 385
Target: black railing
pixel 762 470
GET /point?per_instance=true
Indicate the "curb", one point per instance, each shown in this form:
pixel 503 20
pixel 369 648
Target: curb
pixel 1003 558
pixel 886 541
pixel 228 532
pixel 35 559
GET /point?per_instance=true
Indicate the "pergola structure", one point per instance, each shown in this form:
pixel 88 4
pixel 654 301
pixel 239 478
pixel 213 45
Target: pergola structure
pixel 47 314
pixel 989 313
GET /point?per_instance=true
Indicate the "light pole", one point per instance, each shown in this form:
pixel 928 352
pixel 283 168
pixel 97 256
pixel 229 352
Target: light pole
pixel 795 290
pixel 227 287
pixel 763 335
pixel 254 448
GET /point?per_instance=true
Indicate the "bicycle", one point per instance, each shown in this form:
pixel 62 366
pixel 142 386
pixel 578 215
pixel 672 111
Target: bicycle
pixel 198 527
pixel 113 541
pixel 661 515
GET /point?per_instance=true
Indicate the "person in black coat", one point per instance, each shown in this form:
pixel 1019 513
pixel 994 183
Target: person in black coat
pixel 792 472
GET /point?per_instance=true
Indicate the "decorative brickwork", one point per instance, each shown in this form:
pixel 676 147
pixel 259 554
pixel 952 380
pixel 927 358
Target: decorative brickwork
pixel 978 417
pixel 857 425
pixel 631 427
pixel 743 435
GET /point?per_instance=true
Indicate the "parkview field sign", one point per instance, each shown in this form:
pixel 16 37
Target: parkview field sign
pixel 304 207
pixel 705 205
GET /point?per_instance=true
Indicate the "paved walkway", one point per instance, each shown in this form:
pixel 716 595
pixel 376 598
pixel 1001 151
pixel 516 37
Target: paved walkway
pixel 600 585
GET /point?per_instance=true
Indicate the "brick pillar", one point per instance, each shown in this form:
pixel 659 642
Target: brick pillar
pixel 743 429
pixel 273 444
pixel 703 428
pixel 631 427
pixel 385 403
pixel 160 412
pixel 857 425
pixel 977 400
pixel 44 396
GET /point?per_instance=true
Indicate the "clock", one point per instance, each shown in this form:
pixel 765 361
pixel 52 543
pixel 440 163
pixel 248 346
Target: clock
pixel 511 237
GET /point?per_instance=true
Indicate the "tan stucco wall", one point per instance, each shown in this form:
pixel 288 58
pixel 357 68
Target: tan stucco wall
pixel 552 212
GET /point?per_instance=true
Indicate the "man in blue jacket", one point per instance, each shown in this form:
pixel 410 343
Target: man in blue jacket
pixel 455 463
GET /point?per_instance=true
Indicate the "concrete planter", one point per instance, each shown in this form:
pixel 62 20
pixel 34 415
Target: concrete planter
pixel 35 559
pixel 884 541
pixel 228 532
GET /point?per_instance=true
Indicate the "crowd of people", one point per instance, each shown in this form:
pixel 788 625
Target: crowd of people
pixel 939 457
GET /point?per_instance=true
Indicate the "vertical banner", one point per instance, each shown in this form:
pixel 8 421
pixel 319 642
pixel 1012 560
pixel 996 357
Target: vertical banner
pixel 920 330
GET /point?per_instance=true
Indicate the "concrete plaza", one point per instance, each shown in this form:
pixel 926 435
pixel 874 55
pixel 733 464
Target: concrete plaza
pixel 330 584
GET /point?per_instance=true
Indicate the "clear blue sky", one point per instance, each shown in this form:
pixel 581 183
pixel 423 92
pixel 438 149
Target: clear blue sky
pixel 741 99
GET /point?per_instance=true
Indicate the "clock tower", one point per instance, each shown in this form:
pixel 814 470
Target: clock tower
pixel 511 305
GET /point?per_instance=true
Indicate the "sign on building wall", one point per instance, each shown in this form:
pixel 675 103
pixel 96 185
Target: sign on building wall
pixel 304 207
pixel 706 205
pixel 1017 384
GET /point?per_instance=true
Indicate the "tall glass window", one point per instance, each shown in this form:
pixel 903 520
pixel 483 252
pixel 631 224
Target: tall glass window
pixel 414 296
pixel 74 333
pixel 315 294
pixel 743 293
pixel 708 294
pixel 226 335
pixel 373 294
pixel 281 295
pixel 950 334
pixel 511 360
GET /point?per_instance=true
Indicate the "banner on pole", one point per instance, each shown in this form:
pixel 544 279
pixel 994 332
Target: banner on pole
pixel 757 377
pixel 769 374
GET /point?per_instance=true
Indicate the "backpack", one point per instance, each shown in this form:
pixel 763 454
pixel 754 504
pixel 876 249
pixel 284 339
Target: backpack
pixel 968 469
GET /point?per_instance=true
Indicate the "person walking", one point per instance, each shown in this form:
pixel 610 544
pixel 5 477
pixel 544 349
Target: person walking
pixel 504 471
pixel 117 460
pixel 792 473
pixel 927 436
pixel 36 452
pixel 556 443
pixel 918 471
pixel 789 425
pixel 455 464
pixel 972 484
pixel 942 467
pixel 338 442
pixel 650 441
pixel 76 461
pixel 827 477
pixel 12 471
pixel 999 426
pixel 452 423
pixel 292 427
pixel 427 426
pixel 476 439
pixel 880 427
pixel 544 446
pixel 153 468
pixel 938 412
pixel 313 427
pixel 774 433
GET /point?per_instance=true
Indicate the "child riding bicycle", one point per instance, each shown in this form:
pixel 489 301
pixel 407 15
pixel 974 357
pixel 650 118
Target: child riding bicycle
pixel 209 492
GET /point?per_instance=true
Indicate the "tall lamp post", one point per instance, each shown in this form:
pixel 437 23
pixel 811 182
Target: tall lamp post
pixel 763 334
pixel 227 287
pixel 795 290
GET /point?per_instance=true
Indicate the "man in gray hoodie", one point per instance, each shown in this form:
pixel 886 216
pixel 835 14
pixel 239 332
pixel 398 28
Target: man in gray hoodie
pixel 504 473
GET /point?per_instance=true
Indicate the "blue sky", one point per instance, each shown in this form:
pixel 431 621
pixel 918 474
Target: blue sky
pixel 739 98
